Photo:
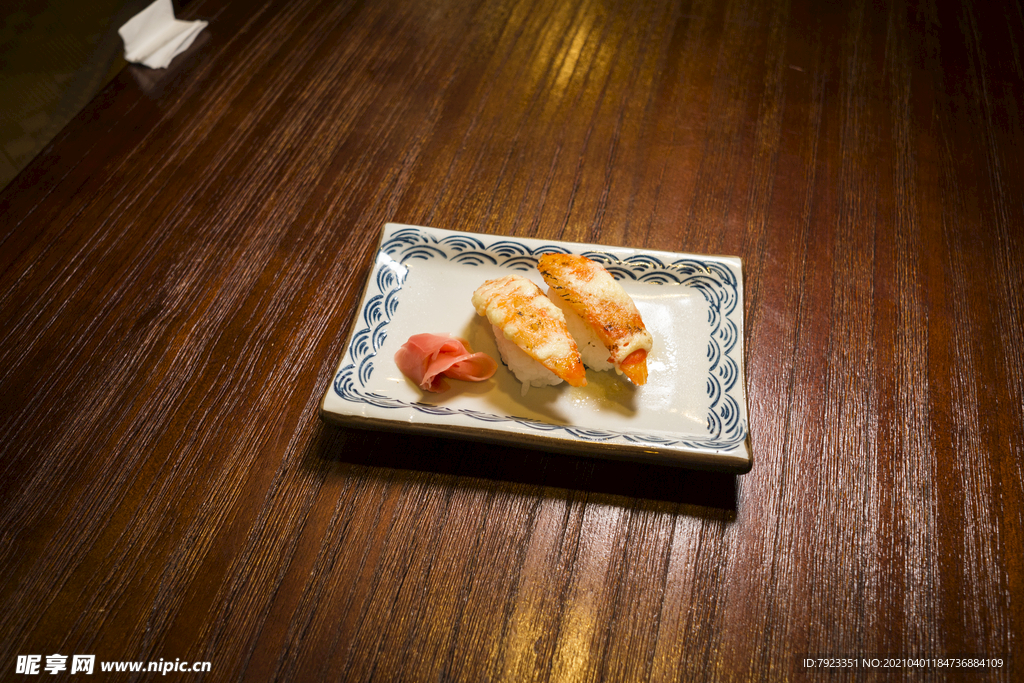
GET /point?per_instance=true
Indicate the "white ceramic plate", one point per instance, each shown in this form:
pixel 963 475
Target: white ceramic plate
pixel 691 412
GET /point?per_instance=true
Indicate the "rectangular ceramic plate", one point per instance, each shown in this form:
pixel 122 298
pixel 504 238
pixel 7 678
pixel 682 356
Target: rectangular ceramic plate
pixel 691 412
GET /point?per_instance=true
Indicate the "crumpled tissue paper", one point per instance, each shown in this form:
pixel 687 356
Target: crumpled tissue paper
pixel 154 37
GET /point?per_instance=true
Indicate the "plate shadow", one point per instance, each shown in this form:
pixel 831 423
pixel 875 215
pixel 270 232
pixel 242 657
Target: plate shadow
pixel 648 485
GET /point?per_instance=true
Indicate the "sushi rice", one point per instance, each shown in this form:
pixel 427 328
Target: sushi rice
pixel 594 353
pixel 528 371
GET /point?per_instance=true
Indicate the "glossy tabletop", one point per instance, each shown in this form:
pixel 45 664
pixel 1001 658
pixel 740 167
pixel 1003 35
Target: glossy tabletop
pixel 180 270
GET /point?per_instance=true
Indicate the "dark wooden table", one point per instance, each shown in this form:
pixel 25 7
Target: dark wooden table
pixel 180 268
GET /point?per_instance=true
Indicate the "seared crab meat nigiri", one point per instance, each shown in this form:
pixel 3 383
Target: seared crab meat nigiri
pixel 600 301
pixel 519 309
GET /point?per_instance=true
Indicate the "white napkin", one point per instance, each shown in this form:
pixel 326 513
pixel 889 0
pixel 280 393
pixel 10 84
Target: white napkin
pixel 154 37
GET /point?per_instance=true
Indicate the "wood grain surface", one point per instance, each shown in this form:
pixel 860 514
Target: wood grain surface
pixel 180 267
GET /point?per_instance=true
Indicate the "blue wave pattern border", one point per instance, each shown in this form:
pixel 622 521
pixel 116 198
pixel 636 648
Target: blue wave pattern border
pixel 716 283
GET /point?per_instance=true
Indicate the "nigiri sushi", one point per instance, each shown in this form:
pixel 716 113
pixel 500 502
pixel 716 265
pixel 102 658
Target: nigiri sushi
pixel 616 336
pixel 530 332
